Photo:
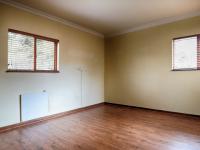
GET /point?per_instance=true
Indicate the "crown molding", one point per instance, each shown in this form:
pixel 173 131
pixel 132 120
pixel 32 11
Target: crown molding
pixel 154 24
pixel 51 17
pixel 84 29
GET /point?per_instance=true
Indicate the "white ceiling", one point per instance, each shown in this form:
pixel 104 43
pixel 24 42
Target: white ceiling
pixel 113 16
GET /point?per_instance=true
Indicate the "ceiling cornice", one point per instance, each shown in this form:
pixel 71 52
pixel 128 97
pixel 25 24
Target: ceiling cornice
pixel 51 17
pixel 155 23
pixel 84 29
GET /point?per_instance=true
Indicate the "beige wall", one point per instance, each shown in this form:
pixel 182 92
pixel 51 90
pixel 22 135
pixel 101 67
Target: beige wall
pixel 138 70
pixel 77 49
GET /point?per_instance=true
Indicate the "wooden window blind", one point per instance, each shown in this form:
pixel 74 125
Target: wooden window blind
pixel 31 53
pixel 186 53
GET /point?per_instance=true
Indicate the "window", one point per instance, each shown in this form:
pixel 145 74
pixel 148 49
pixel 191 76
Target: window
pixel 31 53
pixel 186 53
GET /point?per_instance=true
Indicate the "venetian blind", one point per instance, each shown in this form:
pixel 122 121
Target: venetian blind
pixel 186 53
pixel 29 52
pixel 20 52
pixel 45 55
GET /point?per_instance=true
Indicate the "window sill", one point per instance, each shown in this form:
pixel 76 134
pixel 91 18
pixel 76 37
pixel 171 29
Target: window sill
pixel 32 71
pixel 185 70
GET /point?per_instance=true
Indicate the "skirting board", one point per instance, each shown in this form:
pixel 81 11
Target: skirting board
pixel 50 117
pixel 156 110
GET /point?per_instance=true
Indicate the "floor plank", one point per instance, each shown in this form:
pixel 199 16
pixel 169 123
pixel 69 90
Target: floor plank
pixel 108 127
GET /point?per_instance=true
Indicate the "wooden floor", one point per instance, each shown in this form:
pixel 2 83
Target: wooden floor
pixel 108 127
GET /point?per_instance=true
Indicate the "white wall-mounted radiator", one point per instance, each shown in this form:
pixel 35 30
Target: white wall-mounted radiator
pixel 34 105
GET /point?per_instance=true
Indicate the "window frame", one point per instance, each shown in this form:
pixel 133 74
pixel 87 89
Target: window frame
pixel 35 36
pixel 198 53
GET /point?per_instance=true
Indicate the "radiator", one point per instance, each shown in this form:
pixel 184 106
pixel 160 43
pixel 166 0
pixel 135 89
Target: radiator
pixel 33 106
